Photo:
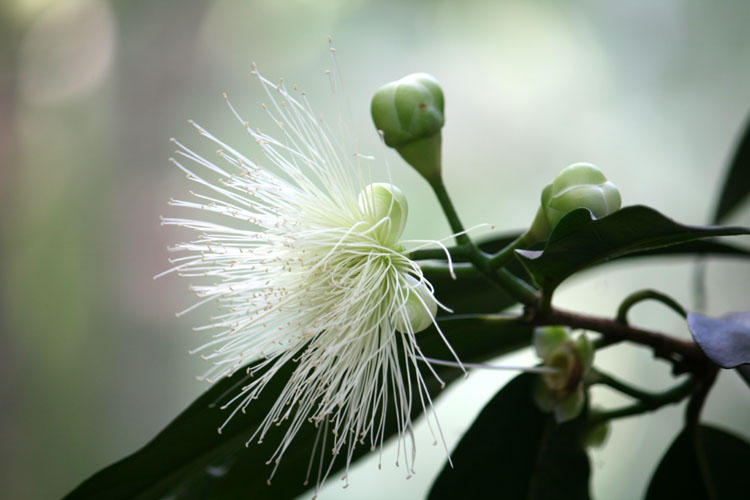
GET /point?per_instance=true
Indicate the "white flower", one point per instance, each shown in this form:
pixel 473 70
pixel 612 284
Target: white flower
pixel 307 266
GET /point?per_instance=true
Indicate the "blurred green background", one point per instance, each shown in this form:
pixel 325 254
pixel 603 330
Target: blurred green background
pixel 92 360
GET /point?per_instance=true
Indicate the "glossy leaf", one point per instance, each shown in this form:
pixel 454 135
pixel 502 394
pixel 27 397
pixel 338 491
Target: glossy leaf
pixel 697 247
pixel 190 460
pixel 737 182
pixel 726 341
pixel 513 450
pixel 703 463
pixel 474 294
pixel 580 241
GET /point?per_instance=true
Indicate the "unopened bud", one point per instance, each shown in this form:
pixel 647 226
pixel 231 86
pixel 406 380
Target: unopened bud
pixel 385 207
pixel 581 185
pixel 409 113
pixel 418 311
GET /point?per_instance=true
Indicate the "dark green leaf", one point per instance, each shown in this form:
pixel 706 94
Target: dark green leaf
pixel 474 294
pixel 580 240
pixel 737 182
pixel 698 247
pixel 513 450
pixel 726 341
pixel 469 294
pixel 190 460
pixel 703 463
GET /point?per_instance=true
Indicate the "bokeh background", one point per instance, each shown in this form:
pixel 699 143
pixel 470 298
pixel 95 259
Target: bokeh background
pixel 92 360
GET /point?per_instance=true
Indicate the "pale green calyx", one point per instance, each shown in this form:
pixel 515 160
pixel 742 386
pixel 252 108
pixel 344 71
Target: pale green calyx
pixel 410 114
pixel 581 185
pixel 419 310
pixel 385 207
pixel 562 392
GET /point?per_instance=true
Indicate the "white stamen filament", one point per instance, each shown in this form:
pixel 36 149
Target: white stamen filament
pixel 484 366
pixel 304 275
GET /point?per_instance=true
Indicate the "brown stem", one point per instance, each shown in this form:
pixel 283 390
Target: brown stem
pixel 682 354
pixel 705 380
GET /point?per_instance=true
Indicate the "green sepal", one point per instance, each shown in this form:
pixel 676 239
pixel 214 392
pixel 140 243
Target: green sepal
pixel 549 338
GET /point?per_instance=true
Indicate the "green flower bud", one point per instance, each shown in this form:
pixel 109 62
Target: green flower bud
pixel 562 392
pixel 581 185
pixel 419 310
pixel 385 206
pixel 409 113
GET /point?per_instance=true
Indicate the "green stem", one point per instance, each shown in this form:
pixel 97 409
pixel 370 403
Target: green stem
pixel 500 258
pixel 457 254
pixel 598 377
pixel 504 280
pixel 656 401
pixel 451 214
pixel 518 288
pixel 648 294
pixel 461 269
pixel 475 255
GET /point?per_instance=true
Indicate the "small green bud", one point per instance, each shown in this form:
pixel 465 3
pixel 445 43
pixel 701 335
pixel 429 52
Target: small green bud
pixel 581 185
pixel 408 109
pixel 562 392
pixel 385 206
pixel 419 310
pixel 409 113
